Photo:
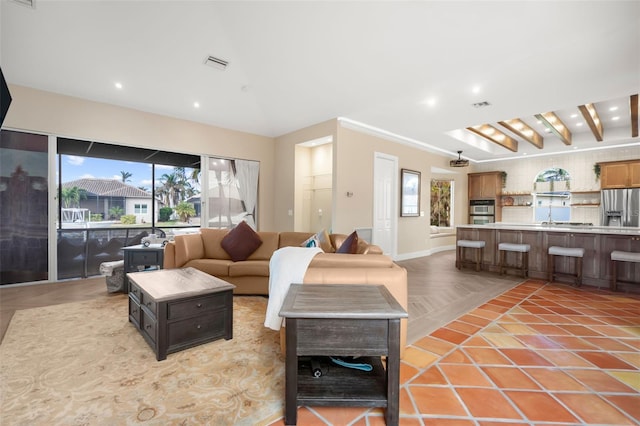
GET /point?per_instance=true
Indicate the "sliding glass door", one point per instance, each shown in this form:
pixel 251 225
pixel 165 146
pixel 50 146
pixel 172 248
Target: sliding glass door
pixel 24 218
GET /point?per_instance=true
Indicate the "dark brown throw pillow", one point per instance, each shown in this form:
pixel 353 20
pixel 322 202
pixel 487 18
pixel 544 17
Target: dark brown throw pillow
pixel 241 242
pixel 350 245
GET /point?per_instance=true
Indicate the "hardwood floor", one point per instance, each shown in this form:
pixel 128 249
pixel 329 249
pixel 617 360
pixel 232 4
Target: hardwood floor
pixel 438 293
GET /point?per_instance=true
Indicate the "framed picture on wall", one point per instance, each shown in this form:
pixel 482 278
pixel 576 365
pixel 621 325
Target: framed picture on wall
pixel 410 193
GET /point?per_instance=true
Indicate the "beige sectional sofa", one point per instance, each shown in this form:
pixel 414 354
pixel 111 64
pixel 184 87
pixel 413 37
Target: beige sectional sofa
pixel 204 251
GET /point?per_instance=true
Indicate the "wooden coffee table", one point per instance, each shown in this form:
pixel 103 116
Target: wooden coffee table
pixel 342 320
pixel 175 309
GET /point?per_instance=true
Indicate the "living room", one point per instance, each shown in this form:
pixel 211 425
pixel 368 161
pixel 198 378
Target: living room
pixel 58 110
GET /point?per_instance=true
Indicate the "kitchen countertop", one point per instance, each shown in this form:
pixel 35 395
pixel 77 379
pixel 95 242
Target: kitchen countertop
pixel 588 229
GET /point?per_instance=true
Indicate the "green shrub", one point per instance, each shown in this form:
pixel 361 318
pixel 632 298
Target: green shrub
pixel 128 219
pixel 96 217
pixel 165 214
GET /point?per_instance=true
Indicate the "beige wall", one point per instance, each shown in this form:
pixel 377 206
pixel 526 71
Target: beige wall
pixel 285 170
pixel 49 113
pixel 354 173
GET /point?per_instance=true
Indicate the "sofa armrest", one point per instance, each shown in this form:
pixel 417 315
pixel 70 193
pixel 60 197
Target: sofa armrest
pixel 169 261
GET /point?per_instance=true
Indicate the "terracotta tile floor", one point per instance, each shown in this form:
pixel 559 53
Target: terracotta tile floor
pixel 539 354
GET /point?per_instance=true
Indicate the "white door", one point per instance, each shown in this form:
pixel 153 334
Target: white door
pixel 385 203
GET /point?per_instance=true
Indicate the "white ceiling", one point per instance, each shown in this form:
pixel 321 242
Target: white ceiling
pixel 294 64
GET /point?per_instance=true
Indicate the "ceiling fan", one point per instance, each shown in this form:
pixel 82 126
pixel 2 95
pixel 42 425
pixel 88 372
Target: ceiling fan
pixel 459 162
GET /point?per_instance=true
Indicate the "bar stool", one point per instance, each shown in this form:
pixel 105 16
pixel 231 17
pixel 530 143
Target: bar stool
pixel 621 256
pixel 518 248
pixel 461 245
pixel 575 252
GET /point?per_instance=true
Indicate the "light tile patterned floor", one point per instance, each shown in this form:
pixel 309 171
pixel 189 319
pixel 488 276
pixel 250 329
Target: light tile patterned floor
pixel 539 354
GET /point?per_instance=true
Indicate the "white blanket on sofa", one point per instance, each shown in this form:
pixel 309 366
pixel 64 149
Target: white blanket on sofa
pixel 287 265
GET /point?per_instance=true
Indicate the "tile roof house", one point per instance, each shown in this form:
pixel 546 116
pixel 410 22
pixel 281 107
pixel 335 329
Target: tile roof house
pixel 104 194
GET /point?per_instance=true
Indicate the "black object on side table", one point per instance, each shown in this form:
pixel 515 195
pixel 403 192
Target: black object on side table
pixel 342 320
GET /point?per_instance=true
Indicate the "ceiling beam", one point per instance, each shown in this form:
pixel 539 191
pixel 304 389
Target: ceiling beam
pixel 633 104
pixel 555 126
pixel 593 120
pixel 494 135
pixel 523 130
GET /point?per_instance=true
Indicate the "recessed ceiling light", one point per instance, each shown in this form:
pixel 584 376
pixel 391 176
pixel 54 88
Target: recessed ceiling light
pixel 578 124
pixel 118 85
pixel 613 108
pixel 430 101
pixel 475 89
pixel 574 115
pixel 615 118
pixel 196 104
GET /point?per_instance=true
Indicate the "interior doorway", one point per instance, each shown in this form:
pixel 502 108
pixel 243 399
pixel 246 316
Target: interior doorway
pixel 385 203
pixel 314 185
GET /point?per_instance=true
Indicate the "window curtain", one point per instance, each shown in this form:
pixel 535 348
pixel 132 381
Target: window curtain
pixel 247 173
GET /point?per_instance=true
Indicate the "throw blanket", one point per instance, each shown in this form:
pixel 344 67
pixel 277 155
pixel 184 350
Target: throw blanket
pixel 287 265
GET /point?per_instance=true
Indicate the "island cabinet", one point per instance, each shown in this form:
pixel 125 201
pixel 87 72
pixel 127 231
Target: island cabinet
pixel 620 174
pixel 537 256
pixel 627 271
pixel 489 237
pixel 598 243
pixel 567 265
pixel 487 185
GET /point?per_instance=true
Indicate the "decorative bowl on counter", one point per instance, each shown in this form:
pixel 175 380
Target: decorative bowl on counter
pixel 507 201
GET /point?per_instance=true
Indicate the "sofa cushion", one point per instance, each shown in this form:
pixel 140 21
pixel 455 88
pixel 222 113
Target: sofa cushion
pixel 350 245
pixel 241 241
pixel 292 239
pixel 216 267
pixel 255 268
pixel 212 242
pixel 268 246
pixel 337 260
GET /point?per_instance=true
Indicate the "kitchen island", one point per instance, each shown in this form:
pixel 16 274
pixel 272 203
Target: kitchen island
pixel 598 242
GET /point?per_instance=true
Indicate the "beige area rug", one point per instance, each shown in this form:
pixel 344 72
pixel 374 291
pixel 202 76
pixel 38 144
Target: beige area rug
pixel 84 364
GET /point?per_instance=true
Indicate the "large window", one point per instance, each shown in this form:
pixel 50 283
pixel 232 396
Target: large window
pixel 441 195
pixel 552 198
pixel 112 196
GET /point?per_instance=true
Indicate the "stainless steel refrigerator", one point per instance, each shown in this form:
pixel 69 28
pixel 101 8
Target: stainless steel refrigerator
pixel 620 207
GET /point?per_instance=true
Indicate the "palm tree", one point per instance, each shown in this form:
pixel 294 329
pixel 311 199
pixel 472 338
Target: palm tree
pixel 126 176
pixel 185 211
pixel 71 197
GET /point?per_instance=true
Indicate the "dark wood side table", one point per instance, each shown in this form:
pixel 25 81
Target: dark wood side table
pixel 175 309
pixel 139 255
pixel 342 320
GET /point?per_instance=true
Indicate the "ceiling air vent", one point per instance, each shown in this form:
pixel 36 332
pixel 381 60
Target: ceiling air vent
pixel 214 62
pixel 28 3
pixel 459 162
pixel 481 104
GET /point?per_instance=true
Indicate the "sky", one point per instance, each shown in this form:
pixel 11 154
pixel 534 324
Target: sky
pixel 74 167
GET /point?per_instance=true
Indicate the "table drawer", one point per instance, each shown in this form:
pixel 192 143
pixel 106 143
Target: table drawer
pixel 145 258
pixel 148 326
pixel 198 328
pixel 149 303
pixel 199 305
pixel 135 290
pixel 134 311
pixel 342 336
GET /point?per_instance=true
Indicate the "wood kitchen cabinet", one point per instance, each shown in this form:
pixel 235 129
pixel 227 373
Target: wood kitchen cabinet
pixel 620 174
pixel 486 185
